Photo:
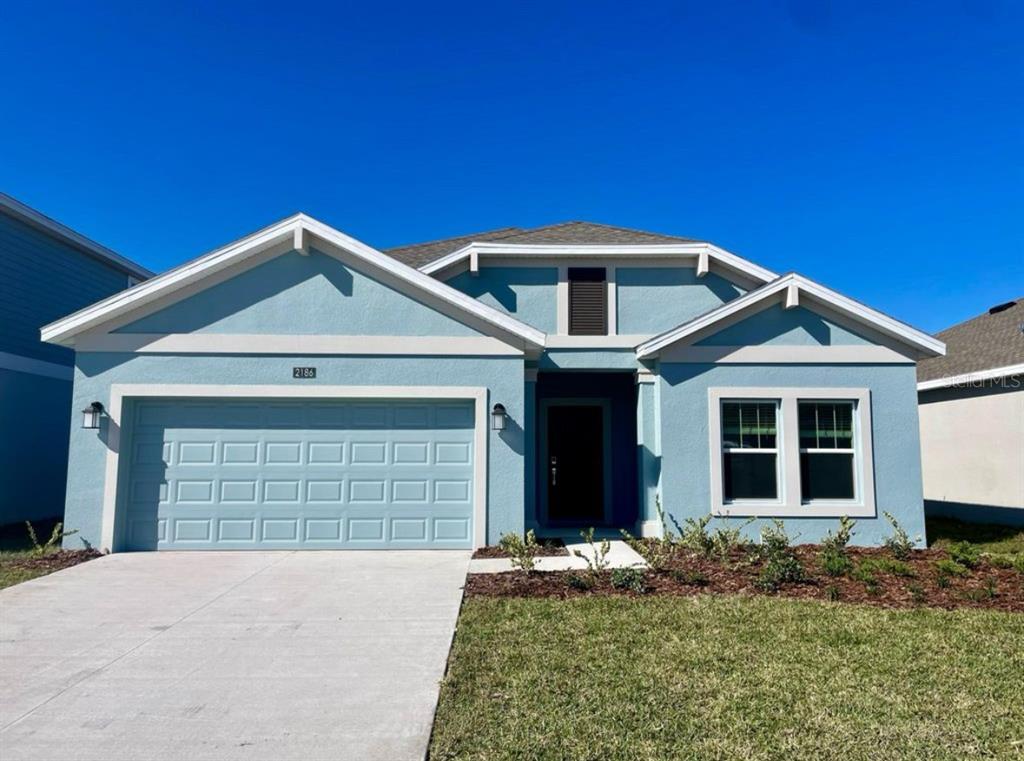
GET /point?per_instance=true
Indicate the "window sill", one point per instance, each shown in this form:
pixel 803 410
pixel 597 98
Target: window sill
pixel 782 510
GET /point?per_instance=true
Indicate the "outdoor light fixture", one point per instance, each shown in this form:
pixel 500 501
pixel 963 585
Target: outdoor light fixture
pixel 91 415
pixel 499 418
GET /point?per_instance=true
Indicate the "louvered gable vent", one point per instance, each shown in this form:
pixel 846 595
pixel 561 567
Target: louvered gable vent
pixel 588 301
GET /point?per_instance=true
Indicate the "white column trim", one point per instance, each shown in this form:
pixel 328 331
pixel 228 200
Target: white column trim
pixel 121 391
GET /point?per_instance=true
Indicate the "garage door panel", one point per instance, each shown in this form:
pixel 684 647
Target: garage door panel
pixel 321 474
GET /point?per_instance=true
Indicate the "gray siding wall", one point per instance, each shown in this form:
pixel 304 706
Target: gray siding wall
pixel 44 280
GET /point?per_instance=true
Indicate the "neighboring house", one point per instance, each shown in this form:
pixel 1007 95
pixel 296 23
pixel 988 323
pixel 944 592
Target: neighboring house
pixel 49 270
pixel 972 419
pixel 300 389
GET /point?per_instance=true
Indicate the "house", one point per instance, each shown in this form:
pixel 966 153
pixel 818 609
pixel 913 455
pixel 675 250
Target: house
pixel 49 270
pixel 972 419
pixel 300 389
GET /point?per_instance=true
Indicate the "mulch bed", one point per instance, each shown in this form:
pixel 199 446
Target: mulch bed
pixel 51 561
pixel 692 574
pixel 548 548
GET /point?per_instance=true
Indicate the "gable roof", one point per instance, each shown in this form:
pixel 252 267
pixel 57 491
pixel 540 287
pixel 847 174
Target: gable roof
pixel 574 233
pixel 294 232
pixel 990 345
pixel 790 287
pixel 16 209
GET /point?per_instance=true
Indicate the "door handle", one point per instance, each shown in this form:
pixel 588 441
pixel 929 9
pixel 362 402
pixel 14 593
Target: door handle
pixel 554 471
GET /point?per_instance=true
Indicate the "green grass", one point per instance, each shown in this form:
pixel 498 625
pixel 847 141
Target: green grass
pixel 729 677
pixel 999 540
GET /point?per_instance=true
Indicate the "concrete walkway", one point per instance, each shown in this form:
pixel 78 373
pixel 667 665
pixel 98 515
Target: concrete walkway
pixel 620 555
pixel 229 655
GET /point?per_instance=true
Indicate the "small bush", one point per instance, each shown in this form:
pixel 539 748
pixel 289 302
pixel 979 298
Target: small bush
pixel 727 539
pixel 835 562
pixel 1000 560
pixel 693 535
pixel 1018 563
pixel 865 574
pixel 690 578
pixel 53 543
pixel 630 579
pixel 522 552
pixel 990 587
pixel 597 560
pixel 949 568
pixel 582 583
pixel 837 542
pixel 774 539
pixel 888 565
pixel 899 543
pixel 964 553
pixel 832 593
pixel 943 580
pixel 780 564
pixel 917 594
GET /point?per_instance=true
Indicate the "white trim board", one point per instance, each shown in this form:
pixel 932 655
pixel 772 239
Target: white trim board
pixel 966 379
pixel 783 288
pixel 300 345
pixel 121 391
pixel 308 231
pixel 15 208
pixel 788 355
pixel 789 503
pixel 20 364
pixel 700 252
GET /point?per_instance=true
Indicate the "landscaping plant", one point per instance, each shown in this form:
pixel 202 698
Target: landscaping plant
pixel 964 553
pixel 899 544
pixel 693 535
pixel 727 538
pixel 597 560
pixel 781 565
pixel 522 552
pixel 53 543
pixel 630 579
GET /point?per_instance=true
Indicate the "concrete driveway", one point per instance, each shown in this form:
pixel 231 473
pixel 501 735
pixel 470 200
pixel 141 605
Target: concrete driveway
pixel 229 655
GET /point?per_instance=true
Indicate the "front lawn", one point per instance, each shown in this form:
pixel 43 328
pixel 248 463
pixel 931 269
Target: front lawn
pixel 722 677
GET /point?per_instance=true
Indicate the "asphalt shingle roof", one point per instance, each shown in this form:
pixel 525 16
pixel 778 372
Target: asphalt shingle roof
pixel 981 343
pixel 419 254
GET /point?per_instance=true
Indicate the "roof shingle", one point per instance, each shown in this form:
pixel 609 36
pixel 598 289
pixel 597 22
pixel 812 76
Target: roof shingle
pixel 981 343
pixel 582 233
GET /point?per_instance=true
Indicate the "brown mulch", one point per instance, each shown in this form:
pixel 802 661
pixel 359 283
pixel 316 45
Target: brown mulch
pixel 691 574
pixel 51 561
pixel 547 548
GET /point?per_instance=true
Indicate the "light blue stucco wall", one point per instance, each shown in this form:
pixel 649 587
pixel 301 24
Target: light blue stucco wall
pixel 685 452
pixel 528 293
pixel 784 327
pixel 301 295
pixel 95 372
pixel 588 359
pixel 656 299
pixel 34 416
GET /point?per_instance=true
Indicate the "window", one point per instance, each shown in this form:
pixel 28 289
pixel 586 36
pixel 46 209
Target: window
pixel 826 450
pixel 588 301
pixel 791 451
pixel 750 459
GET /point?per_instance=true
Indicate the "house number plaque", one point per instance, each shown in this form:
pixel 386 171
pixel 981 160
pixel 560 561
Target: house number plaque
pixel 303 372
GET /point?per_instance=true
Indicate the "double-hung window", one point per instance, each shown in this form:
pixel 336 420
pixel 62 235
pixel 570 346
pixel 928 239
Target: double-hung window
pixel 791 452
pixel 750 455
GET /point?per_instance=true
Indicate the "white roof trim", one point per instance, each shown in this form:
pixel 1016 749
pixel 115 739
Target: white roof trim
pixel 969 378
pixel 858 312
pixel 667 250
pixel 63 330
pixel 17 209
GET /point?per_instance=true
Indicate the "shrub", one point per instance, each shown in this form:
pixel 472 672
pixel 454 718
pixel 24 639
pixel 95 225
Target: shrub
pixel 964 553
pixel 630 579
pixel 597 560
pixel 690 578
pixel 832 593
pixel 887 565
pixel 837 542
pixel 780 564
pixel 774 539
pixel 522 552
pixel 899 544
pixel 582 583
pixel 990 587
pixel 693 535
pixel 727 538
pixel 867 575
pixel 1000 560
pixel 917 594
pixel 53 543
pixel 835 562
pixel 943 580
pixel 1018 563
pixel 658 552
pixel 949 568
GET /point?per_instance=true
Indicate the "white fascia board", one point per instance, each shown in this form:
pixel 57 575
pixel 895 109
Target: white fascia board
pixel 16 208
pixel 296 227
pixel 654 250
pixel 854 310
pixel 978 376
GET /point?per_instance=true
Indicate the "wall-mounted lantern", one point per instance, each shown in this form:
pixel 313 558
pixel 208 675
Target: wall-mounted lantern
pixel 499 418
pixel 91 415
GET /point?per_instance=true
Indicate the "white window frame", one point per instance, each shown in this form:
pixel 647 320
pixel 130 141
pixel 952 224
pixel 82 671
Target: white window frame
pixel 790 503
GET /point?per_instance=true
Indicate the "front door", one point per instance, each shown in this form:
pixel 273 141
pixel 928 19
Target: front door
pixel 575 463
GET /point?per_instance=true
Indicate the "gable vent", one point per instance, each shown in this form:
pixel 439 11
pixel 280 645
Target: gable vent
pixel 588 301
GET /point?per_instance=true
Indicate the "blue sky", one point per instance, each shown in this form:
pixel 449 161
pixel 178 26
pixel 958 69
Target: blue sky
pixel 878 149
